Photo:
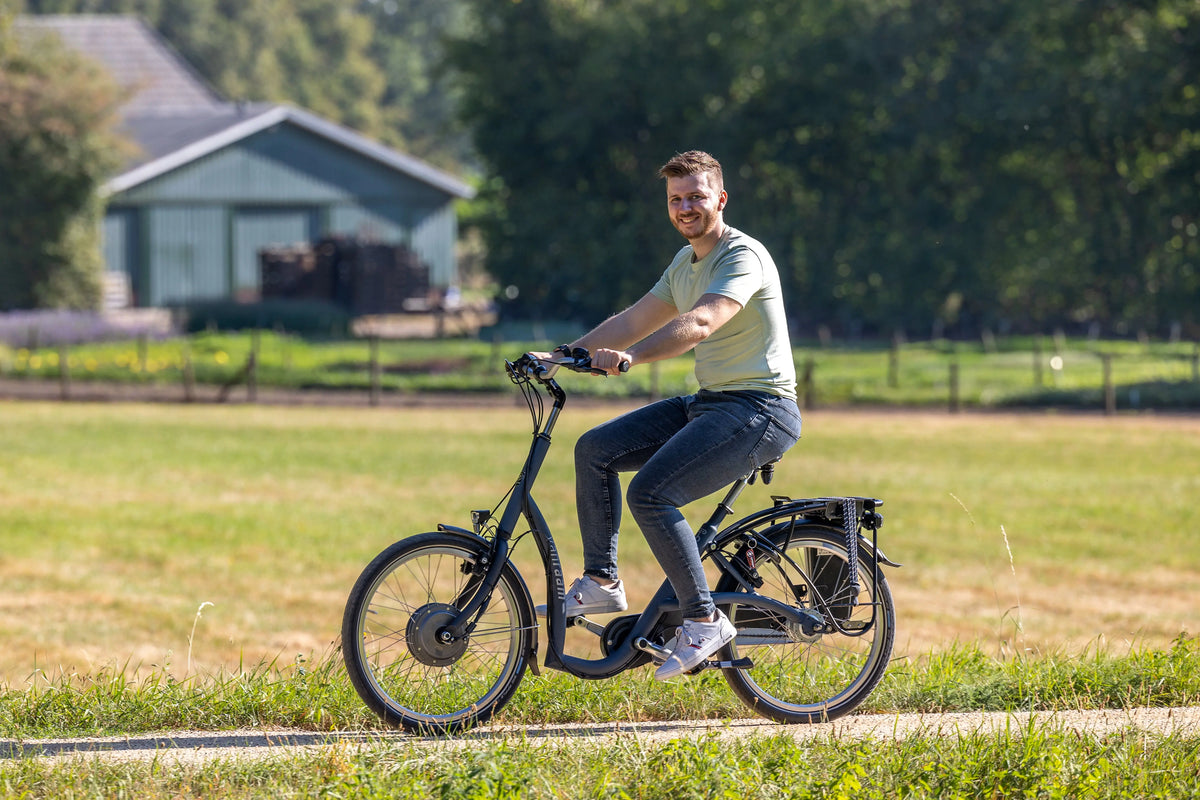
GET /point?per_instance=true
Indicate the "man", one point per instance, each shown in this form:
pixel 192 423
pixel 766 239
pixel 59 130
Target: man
pixel 720 296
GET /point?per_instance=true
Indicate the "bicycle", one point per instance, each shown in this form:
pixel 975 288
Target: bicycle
pixel 439 629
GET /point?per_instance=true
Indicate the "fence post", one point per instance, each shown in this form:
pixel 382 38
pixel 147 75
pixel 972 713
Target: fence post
pixel 375 380
pixel 655 378
pixel 1037 362
pixel 955 401
pixel 1196 362
pixel 252 368
pixel 64 371
pixel 893 378
pixel 189 374
pixel 808 390
pixel 1110 392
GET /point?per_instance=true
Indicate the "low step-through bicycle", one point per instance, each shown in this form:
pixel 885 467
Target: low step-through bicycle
pixel 439 628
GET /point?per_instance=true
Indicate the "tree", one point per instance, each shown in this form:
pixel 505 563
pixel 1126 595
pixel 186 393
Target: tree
pixel 572 114
pixel 372 65
pixel 57 143
pixel 313 53
pixel 419 102
pixel 971 164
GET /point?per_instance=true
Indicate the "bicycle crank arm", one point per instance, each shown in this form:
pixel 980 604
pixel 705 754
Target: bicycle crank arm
pixel 658 653
pixel 584 622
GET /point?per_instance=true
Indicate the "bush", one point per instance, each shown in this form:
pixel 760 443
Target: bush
pixel 1163 395
pixel 301 317
pixel 57 143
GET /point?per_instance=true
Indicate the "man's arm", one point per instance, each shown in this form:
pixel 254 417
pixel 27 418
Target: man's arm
pixel 675 337
pixel 623 329
pixel 631 325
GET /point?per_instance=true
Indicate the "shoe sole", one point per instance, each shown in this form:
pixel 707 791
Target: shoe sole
pixel 660 675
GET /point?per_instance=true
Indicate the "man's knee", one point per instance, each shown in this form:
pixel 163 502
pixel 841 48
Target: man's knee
pixel 589 447
pixel 644 496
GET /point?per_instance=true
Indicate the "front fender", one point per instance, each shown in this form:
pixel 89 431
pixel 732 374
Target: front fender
pixel 526 597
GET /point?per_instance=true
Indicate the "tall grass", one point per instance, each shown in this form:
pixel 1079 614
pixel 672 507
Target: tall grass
pixel 317 696
pixel 1035 761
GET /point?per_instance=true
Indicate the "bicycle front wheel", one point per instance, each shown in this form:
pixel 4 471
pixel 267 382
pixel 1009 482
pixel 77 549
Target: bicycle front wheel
pixel 817 677
pixel 399 663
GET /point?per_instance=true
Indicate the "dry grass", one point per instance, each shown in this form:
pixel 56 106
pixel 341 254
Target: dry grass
pixel 121 520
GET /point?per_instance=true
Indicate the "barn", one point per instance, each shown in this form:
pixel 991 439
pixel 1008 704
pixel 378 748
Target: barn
pixel 216 182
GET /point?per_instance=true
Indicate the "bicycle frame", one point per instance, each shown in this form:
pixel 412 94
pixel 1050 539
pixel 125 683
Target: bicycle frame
pixel 633 649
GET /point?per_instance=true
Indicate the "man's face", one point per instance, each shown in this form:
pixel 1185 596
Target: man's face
pixel 694 203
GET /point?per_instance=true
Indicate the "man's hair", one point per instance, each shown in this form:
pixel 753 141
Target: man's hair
pixel 693 162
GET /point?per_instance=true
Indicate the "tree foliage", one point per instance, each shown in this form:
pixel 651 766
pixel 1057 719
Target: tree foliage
pixel 419 101
pixel 956 166
pixel 969 164
pixel 370 65
pixel 56 146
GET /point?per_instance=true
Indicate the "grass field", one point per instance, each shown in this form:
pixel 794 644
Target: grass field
pixel 187 540
pixel 181 567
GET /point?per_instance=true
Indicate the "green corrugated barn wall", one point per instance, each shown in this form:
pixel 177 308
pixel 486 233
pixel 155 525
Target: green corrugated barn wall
pixel 195 232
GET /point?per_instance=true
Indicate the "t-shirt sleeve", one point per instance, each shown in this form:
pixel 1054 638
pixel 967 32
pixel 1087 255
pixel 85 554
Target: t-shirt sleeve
pixel 738 275
pixel 662 289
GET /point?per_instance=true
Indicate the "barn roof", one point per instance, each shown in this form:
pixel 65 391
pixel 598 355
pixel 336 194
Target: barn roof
pixel 176 118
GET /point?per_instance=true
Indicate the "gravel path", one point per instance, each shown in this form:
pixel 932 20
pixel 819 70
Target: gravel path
pixel 198 746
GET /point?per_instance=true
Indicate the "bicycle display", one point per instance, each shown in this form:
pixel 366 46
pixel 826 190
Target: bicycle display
pixel 439 628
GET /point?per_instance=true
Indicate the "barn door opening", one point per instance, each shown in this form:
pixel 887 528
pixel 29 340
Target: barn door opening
pixel 255 229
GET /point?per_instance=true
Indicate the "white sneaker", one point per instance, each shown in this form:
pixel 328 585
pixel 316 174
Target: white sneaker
pixel 588 597
pixel 694 643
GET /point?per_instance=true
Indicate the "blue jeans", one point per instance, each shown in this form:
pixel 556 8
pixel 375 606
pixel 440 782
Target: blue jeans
pixel 682 449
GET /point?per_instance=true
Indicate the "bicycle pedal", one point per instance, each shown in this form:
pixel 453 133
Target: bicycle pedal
pixel 740 663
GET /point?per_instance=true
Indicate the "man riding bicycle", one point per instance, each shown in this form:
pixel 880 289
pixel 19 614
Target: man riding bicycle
pixel 720 296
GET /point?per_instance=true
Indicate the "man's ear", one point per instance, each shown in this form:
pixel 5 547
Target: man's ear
pixel 722 200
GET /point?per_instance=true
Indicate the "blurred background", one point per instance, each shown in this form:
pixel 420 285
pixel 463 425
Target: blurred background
pixel 968 171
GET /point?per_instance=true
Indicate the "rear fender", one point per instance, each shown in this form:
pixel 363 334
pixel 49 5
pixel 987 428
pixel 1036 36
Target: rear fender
pixel 772 529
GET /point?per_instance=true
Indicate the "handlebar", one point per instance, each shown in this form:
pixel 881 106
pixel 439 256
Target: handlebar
pixel 579 360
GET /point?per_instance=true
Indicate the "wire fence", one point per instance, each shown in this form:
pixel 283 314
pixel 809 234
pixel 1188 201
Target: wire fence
pixel 1105 375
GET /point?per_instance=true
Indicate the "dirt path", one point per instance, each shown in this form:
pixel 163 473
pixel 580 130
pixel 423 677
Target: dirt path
pixel 197 746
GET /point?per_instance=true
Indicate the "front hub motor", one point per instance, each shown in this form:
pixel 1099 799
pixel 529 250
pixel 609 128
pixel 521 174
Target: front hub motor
pixel 427 635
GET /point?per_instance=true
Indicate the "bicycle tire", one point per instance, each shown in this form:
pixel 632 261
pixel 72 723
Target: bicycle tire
pixel 395 661
pixel 799 678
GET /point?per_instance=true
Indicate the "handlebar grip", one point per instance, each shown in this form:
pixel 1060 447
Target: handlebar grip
pixel 623 366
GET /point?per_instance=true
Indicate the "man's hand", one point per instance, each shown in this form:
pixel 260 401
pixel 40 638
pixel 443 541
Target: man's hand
pixel 610 360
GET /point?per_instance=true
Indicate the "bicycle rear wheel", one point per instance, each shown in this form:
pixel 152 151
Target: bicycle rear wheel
pixel 817 677
pixel 398 663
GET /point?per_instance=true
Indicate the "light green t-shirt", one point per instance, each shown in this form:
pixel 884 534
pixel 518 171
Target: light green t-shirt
pixel 752 351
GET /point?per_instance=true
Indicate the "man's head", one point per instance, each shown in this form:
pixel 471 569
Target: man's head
pixel 695 197
pixel 694 162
